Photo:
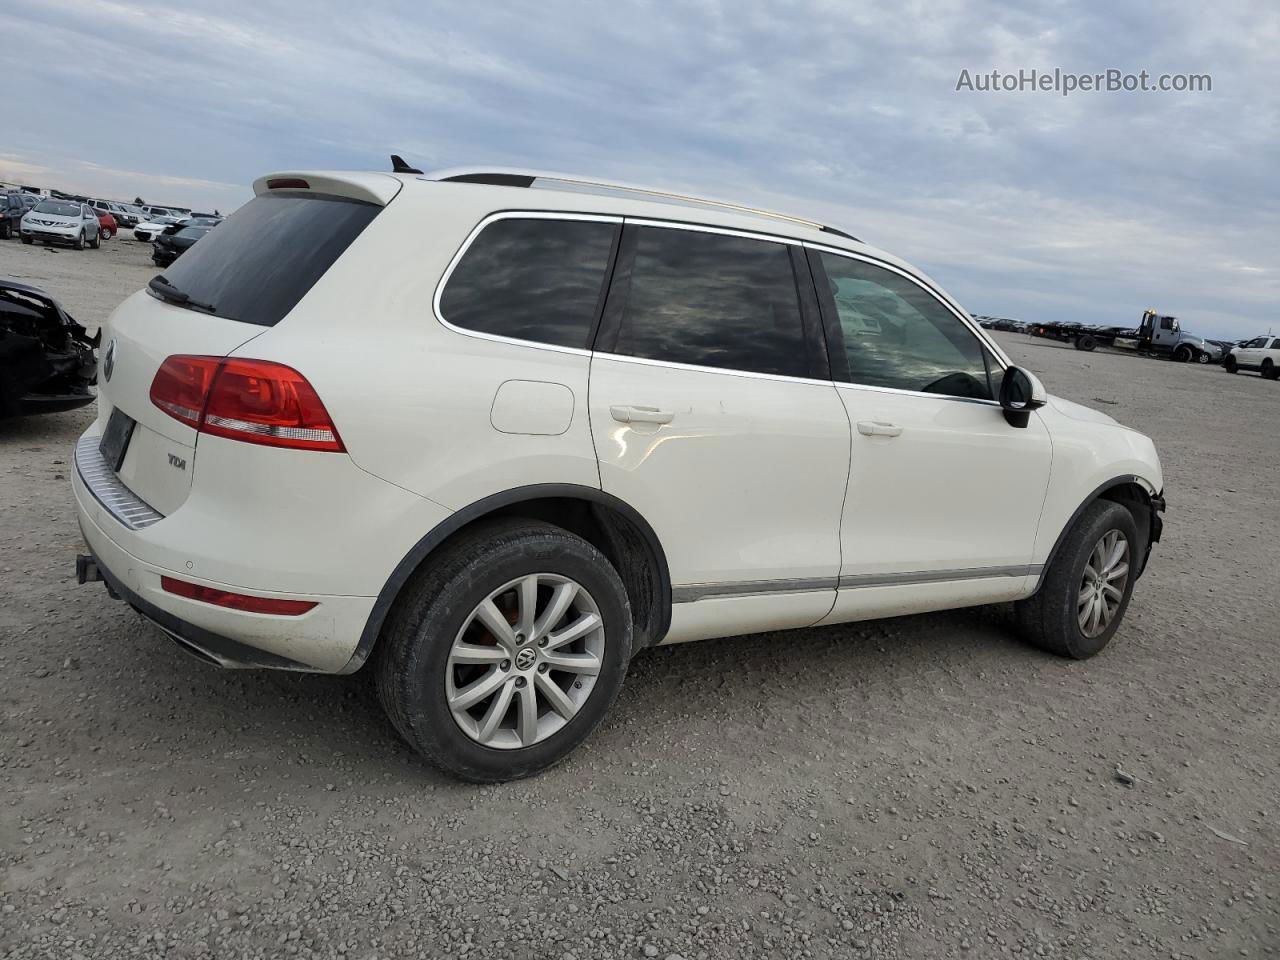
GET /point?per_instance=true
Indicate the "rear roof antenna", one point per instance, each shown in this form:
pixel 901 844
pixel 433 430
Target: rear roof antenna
pixel 399 166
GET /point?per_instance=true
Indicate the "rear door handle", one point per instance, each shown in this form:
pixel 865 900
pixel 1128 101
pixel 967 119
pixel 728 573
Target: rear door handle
pixel 630 413
pixel 878 428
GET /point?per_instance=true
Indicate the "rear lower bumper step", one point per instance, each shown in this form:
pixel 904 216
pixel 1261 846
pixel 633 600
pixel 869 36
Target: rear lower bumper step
pixel 205 645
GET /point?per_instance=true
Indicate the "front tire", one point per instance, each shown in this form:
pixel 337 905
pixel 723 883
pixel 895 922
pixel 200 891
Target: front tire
pixel 79 244
pixel 506 651
pixel 1269 371
pixel 1182 355
pixel 1230 365
pixel 96 242
pixel 1085 592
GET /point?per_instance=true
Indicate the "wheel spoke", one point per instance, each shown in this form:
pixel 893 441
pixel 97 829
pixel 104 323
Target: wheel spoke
pixel 580 627
pixel 473 693
pixel 584 663
pixel 494 621
pixel 557 607
pixel 528 595
pixel 1112 591
pixel 1116 572
pixel 1086 591
pixel 527 716
pixel 1085 609
pixel 474 653
pixel 1095 615
pixel 1117 552
pixel 552 693
pixel 497 710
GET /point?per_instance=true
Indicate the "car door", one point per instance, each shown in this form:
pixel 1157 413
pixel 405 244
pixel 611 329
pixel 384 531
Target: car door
pixel 944 494
pixel 713 416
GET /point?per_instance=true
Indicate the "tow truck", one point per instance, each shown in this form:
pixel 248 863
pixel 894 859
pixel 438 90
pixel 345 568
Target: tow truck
pixel 1157 335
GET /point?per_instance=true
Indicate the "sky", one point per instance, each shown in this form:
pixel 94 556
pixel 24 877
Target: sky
pixel 1027 204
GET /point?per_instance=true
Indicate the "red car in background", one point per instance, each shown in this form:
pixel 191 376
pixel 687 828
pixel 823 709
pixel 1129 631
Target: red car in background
pixel 106 223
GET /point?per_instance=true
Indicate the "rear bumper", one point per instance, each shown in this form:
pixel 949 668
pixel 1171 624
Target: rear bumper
pixel 321 640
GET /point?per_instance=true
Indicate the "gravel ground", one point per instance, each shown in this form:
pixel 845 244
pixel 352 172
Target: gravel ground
pixel 921 787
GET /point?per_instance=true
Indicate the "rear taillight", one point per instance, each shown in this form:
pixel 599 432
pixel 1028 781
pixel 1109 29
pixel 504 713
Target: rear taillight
pixel 235 601
pixel 256 401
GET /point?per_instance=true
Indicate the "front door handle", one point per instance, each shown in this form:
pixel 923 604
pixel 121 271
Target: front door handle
pixel 630 413
pixel 878 428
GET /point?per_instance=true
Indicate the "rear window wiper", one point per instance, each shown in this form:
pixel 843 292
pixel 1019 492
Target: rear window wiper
pixel 168 292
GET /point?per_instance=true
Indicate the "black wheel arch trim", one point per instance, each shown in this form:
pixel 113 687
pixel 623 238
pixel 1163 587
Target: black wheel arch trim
pixel 481 508
pixel 1155 504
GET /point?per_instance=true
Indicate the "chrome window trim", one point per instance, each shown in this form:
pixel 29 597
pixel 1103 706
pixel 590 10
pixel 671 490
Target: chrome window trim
pixel 709 228
pixel 938 295
pixel 105 487
pixel 693 592
pixel 466 245
pixel 726 371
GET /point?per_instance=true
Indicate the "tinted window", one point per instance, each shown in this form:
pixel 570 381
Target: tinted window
pixel 714 301
pixel 896 334
pixel 531 279
pixel 268 254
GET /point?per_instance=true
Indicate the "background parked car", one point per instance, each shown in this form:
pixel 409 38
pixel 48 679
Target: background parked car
pixel 168 247
pixel 153 227
pixel 123 218
pixel 11 210
pixel 106 223
pixel 1260 353
pixel 62 221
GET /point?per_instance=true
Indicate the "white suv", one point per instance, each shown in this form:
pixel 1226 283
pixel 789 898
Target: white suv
pixel 494 432
pixel 1260 353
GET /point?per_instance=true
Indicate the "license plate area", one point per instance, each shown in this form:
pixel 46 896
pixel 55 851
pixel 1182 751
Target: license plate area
pixel 115 439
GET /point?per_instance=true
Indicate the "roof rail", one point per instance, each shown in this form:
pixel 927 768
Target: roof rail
pixel 511 177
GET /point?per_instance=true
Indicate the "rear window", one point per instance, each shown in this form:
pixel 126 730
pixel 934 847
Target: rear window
pixel 264 258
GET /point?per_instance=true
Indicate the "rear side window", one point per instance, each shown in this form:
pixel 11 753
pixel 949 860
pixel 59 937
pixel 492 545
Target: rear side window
pixel 531 279
pixel 714 301
pixel 264 258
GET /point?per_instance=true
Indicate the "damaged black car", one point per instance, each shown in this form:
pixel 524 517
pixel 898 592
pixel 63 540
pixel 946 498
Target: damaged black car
pixel 48 362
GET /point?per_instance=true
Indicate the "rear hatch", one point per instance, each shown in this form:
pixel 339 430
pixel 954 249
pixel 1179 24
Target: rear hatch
pixel 243 277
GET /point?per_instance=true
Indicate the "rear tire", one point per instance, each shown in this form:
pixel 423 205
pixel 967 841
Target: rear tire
pixel 6 230
pixel 1269 371
pixel 1230 365
pixel 1086 343
pixel 439 613
pixel 1059 617
pixel 26 240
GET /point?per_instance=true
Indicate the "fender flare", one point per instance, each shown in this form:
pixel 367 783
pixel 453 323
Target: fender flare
pixel 1155 502
pixel 480 508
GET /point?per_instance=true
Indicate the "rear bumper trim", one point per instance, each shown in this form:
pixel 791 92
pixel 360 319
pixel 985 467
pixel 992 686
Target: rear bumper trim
pixel 204 644
pixel 101 481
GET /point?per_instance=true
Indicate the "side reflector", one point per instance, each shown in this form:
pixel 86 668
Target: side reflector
pixel 235 601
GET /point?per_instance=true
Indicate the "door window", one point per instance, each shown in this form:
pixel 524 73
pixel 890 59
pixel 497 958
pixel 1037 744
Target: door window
pixel 531 279
pixel 897 334
pixel 711 300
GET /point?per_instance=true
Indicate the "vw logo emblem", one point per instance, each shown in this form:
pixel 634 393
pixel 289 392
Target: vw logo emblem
pixel 109 360
pixel 525 658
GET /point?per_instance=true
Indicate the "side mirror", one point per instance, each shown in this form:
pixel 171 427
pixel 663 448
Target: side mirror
pixel 1020 393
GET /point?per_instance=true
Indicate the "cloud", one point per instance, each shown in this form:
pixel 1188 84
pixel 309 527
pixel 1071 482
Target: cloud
pixel 1090 207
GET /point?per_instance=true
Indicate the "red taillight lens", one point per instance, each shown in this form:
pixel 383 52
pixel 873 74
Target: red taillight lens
pixel 235 601
pixel 256 401
pixel 181 386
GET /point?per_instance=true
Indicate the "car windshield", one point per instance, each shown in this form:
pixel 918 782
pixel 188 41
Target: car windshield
pixel 58 208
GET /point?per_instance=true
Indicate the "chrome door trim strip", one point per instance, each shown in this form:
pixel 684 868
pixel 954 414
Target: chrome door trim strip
pixel 856 581
pixel 693 592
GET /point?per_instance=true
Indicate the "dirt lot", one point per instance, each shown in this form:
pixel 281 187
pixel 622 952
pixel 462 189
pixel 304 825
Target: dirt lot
pixel 924 787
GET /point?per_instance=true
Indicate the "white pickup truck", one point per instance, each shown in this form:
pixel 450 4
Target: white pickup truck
pixel 1260 353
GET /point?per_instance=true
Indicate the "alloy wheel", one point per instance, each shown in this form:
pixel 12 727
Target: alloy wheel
pixel 525 661
pixel 1102 587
